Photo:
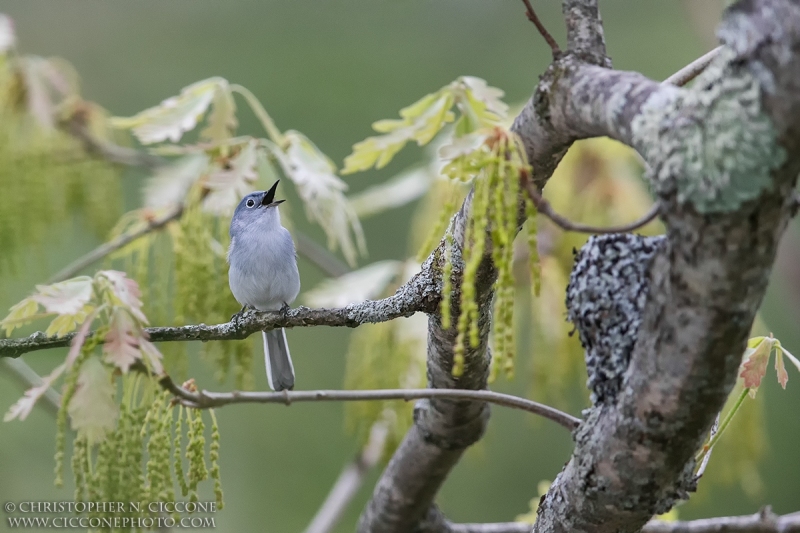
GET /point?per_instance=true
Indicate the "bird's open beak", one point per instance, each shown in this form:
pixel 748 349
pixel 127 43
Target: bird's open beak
pixel 268 198
pixel 276 203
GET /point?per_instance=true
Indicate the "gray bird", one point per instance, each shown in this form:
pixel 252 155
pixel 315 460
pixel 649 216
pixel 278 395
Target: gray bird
pixel 263 274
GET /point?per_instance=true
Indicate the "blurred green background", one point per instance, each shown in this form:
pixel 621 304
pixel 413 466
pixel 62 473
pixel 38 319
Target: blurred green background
pixel 329 69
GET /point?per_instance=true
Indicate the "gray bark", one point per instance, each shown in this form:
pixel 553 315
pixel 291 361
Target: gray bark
pixel 724 158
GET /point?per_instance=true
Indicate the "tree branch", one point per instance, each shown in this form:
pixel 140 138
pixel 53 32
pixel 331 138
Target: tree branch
pixel 693 69
pixel 23 374
pixel 531 14
pixel 764 521
pixel 113 245
pixel 634 454
pixel 349 481
pixel 76 126
pixel 585 31
pixel 543 207
pixel 207 400
pixel 420 294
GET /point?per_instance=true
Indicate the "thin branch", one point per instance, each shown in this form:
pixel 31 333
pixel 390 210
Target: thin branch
pixel 319 255
pixel 531 14
pixel 349 481
pixel 206 399
pixel 544 208
pixel 693 69
pixel 23 374
pixel 110 152
pixel 115 244
pixel 680 78
pixel 764 521
pixel 420 294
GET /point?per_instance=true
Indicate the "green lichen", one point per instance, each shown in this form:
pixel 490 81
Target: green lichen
pixel 711 145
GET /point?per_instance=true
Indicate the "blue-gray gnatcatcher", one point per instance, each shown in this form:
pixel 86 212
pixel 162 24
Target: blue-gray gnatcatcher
pixel 263 274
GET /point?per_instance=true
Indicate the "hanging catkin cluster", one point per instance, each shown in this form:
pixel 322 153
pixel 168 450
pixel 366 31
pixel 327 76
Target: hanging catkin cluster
pixel 497 166
pixel 147 430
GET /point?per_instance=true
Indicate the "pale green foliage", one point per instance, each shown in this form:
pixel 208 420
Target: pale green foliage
pixel 170 184
pixel 179 114
pixel 478 104
pixel 756 357
pixel 390 355
pixel 492 159
pixel 118 469
pixel 109 298
pixel 380 356
pixel 366 283
pixel 395 192
pixel 229 183
pixel 7 37
pixel 495 166
pixel 93 409
pixel 39 162
pixel 322 192
pixel 228 167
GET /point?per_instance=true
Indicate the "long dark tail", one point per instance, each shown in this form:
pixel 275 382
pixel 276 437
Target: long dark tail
pixel 280 371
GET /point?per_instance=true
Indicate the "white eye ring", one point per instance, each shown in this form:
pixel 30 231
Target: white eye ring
pixel 250 203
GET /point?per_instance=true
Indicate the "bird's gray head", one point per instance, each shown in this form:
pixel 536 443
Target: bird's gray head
pixel 257 209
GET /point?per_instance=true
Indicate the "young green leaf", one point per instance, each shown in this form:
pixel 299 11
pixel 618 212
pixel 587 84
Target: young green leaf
pixel 22 408
pixel 121 348
pixel 7 37
pixel 22 313
pixel 227 185
pixel 222 119
pixel 171 183
pixel 47 85
pixel 322 192
pixel 421 122
pixel 756 357
pixel 122 291
pixel 479 104
pixel 362 284
pixel 92 408
pixel 65 298
pixel 395 192
pixel 174 116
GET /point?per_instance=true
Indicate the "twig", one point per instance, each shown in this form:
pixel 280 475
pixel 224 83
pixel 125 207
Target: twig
pixel 693 69
pixel 544 207
pixel 680 78
pixel 206 399
pixel 420 294
pixel 109 151
pixel 764 521
pixel 531 14
pixel 21 372
pixel 349 481
pixel 115 244
pixel 319 255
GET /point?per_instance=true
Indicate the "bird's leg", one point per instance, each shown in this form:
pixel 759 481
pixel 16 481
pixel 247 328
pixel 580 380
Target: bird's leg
pixel 285 310
pixel 238 316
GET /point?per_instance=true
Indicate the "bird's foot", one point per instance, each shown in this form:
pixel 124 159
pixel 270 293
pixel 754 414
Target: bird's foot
pixel 284 310
pixel 236 317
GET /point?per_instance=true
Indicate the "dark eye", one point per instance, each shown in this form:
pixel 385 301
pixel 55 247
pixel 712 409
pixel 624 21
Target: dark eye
pixel 250 202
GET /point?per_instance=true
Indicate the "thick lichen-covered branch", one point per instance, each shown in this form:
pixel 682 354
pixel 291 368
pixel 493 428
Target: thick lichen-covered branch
pixel 724 158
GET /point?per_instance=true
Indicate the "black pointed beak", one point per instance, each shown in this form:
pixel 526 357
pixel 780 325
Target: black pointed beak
pixel 270 195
